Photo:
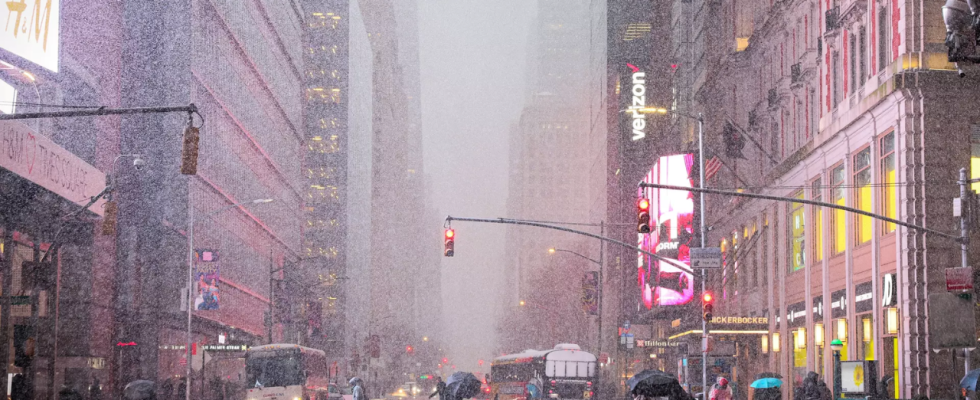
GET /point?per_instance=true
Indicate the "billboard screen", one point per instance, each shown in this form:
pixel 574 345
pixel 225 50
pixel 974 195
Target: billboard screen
pixel 671 234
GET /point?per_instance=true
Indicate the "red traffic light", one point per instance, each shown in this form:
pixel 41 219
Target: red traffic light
pixel 707 297
pixel 643 204
pixel 450 248
pixel 445 360
pixel 409 349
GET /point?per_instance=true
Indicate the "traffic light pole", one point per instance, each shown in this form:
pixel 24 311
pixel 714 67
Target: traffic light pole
pixel 679 265
pixel 704 233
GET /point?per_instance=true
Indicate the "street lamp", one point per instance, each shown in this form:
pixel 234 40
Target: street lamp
pixel 190 271
pixel 598 286
pixel 836 345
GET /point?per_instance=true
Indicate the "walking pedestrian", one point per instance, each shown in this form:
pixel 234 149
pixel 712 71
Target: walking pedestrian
pixel 440 389
pixel 358 389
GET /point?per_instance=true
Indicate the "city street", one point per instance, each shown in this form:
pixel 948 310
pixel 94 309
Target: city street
pixel 491 200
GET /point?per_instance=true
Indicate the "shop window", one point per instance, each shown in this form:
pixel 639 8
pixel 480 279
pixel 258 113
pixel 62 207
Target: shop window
pixel 816 220
pixel 797 239
pixel 889 188
pixel 865 337
pixel 837 221
pixel 862 195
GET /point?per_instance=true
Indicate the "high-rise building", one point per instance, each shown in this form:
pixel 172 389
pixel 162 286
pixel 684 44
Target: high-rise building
pixel 548 147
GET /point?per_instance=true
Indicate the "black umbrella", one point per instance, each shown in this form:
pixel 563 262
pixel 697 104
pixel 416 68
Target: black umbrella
pixel 139 390
pixel 653 383
pixel 463 385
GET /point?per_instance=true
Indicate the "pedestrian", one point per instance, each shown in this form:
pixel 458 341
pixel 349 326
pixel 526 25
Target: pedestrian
pixel 358 389
pixel 720 390
pixel 20 390
pixel 811 389
pixel 440 389
pixel 95 390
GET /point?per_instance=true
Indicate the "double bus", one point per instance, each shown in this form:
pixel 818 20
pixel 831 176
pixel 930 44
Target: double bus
pixel 565 372
pixel 286 372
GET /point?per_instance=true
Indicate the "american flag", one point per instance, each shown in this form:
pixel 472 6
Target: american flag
pixel 711 168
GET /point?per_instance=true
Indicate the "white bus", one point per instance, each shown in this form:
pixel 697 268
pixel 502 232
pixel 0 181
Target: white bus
pixel 286 372
pixel 565 372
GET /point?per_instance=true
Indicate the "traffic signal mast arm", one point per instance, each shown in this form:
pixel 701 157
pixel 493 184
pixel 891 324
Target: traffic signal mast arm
pixel 804 201
pixel 683 267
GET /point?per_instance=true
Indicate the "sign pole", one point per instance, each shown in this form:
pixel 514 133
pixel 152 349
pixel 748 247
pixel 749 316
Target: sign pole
pixel 704 233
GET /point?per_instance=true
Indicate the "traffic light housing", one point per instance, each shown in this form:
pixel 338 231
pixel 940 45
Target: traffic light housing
pixel 643 215
pixel 734 142
pixel 707 306
pixel 450 242
pixel 109 220
pixel 188 154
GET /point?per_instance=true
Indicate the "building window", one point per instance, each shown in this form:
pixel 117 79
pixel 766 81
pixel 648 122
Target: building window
pixel 853 64
pixel 837 220
pixel 865 337
pixel 863 55
pixel 862 195
pixel 889 188
pixel 835 82
pixel 817 220
pixel 883 40
pixel 796 233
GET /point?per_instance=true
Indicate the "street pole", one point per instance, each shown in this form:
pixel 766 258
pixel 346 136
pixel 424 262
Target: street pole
pixel 704 233
pixel 837 377
pixel 964 238
pixel 601 283
pixel 190 273
pixel 190 284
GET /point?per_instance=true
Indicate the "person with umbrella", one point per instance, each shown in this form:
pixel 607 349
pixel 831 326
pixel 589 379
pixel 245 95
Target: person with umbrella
pixel 766 387
pixel 440 389
pixel 720 390
pixel 358 389
pixel 462 385
pixel 651 383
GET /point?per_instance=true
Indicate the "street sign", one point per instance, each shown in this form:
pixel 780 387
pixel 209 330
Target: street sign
pixel 959 279
pixel 706 258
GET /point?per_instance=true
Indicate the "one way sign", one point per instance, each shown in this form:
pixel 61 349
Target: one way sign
pixel 706 258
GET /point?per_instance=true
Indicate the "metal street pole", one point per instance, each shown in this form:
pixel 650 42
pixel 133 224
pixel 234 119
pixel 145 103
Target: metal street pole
pixel 704 232
pixel 190 273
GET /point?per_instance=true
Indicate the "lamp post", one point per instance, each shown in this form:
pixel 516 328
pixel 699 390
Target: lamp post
pixel 836 345
pixel 599 285
pixel 190 272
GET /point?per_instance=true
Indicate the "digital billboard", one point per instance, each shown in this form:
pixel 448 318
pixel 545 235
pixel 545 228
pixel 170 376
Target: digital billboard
pixel 671 234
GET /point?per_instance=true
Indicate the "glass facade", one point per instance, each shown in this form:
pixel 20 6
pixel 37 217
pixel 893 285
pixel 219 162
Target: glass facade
pixel 862 195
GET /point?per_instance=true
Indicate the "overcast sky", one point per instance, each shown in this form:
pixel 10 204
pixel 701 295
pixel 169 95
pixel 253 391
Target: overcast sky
pixel 472 65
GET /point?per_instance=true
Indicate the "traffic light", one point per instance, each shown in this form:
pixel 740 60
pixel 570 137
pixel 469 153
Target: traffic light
pixel 734 142
pixel 643 215
pixel 109 220
pixel 707 305
pixel 409 349
pixel 188 155
pixel 450 242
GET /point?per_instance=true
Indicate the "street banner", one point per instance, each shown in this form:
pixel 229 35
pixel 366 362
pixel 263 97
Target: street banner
pixel 206 278
pixel 590 293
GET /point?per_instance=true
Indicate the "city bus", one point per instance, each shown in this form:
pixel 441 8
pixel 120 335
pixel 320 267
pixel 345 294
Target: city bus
pixel 565 372
pixel 286 372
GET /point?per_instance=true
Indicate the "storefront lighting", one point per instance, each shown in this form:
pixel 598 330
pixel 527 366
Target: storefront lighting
pixel 775 342
pixel 891 320
pixel 866 324
pixel 842 329
pixel 818 334
pixel 765 344
pixel 801 339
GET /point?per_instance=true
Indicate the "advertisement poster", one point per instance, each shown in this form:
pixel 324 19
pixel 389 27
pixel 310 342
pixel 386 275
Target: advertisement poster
pixel 852 376
pixel 206 278
pixel 671 234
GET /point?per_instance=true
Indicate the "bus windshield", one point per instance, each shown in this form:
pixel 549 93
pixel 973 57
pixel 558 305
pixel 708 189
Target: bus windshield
pixel 272 371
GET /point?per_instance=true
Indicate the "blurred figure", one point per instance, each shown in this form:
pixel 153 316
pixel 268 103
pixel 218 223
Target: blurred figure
pixel 720 390
pixel 440 389
pixel 95 390
pixel 358 389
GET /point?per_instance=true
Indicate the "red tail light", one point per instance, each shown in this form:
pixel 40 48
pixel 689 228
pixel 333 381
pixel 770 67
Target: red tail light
pixel 589 384
pixel 553 383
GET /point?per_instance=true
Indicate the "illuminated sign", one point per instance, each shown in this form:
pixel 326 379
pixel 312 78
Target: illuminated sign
pixel 639 102
pixel 658 343
pixel 32 31
pixel 38 159
pixel 663 284
pixel 888 297
pixel 740 320
pixel 8 97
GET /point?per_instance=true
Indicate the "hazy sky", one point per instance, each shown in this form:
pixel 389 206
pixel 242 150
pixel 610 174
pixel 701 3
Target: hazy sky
pixel 472 65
